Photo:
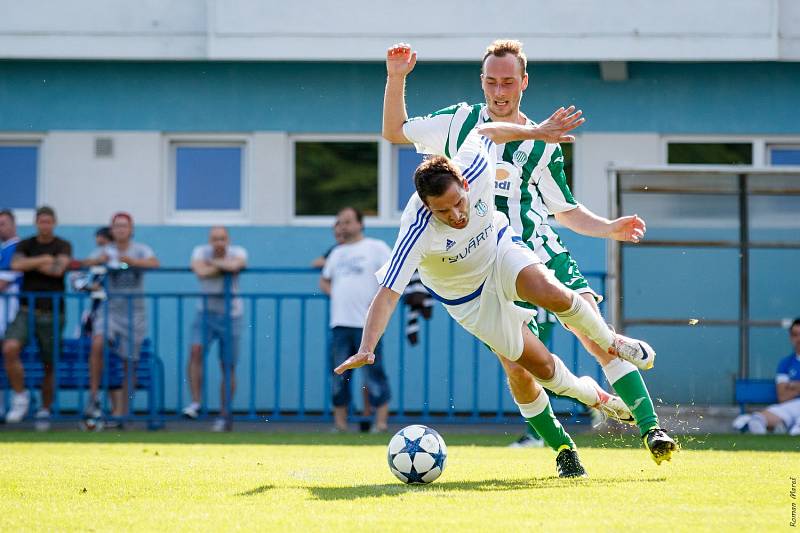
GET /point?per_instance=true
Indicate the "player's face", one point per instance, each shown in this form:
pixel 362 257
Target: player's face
pixel 452 207
pixel 7 228
pixel 45 224
pixel 794 337
pixel 503 82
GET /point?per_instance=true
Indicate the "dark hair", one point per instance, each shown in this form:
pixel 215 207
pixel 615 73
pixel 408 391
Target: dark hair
pixel 9 213
pixel 45 210
pixel 104 232
pixel 359 214
pixel 434 176
pixel 795 323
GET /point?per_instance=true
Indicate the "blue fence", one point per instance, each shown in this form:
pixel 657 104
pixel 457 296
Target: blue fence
pixel 284 369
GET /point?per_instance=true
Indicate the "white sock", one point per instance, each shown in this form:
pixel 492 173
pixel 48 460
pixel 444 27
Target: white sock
pixel 582 317
pixel 537 406
pixel 617 369
pixel 566 383
pixel 757 424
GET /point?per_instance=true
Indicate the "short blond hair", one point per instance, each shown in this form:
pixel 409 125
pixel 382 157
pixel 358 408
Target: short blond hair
pixel 501 47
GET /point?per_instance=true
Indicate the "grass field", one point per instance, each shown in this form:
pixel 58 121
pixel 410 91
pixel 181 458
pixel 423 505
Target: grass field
pixel 321 482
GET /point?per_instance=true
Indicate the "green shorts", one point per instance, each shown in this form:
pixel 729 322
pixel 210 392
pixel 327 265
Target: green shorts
pixel 43 331
pixel 567 272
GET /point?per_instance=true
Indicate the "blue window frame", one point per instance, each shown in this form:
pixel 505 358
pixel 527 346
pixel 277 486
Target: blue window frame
pixel 19 166
pixel 407 161
pixel 208 178
pixel 784 155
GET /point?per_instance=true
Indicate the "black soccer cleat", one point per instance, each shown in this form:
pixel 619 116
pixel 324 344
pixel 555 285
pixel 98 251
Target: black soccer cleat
pixel 660 445
pixel 568 464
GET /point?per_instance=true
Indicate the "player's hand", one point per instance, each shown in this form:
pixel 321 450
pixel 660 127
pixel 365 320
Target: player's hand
pixel 355 361
pixel 629 229
pixel 400 59
pixel 555 128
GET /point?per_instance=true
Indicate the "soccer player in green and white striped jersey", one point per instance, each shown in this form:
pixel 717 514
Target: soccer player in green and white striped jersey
pixel 530 186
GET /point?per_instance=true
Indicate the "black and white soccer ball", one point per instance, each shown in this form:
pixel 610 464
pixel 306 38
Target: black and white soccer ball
pixel 417 454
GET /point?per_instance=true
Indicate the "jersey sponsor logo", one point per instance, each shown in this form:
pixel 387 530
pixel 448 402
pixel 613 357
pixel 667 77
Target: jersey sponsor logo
pixel 449 244
pixel 505 177
pixel 480 208
pixel 520 158
pixel 471 246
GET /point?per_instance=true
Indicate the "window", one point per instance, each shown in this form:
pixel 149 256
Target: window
pixel 692 153
pixel 330 175
pixel 19 165
pixel 208 177
pixel 784 154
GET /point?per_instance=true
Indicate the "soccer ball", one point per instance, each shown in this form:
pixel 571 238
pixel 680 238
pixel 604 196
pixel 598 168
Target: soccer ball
pixel 417 454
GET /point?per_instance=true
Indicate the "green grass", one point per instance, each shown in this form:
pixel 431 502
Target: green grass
pixel 319 482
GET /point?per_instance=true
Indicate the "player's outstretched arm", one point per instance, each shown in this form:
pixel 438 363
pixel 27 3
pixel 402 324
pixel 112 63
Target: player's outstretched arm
pixel 581 220
pixel 553 130
pixel 400 61
pixel 380 311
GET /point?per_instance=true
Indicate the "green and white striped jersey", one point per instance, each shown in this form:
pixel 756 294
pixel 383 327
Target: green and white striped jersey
pixel 530 183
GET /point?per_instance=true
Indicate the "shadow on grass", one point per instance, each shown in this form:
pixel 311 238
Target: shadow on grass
pixel 485 485
pixel 256 491
pixel 721 442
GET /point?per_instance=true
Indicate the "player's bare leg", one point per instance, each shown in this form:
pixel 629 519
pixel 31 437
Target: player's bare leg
pixel 538 286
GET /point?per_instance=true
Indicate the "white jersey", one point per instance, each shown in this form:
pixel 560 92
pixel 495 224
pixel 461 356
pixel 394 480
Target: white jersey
pixel 530 182
pixel 453 263
pixel 351 268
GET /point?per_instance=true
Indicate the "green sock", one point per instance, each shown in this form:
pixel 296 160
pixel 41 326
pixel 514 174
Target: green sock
pixel 541 419
pixel 629 385
pixel 532 432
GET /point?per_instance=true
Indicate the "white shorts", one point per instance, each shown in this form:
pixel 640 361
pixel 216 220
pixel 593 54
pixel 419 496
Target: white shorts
pixel 788 412
pixel 493 317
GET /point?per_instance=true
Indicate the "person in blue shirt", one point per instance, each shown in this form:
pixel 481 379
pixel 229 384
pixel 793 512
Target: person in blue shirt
pixel 9 280
pixel 784 415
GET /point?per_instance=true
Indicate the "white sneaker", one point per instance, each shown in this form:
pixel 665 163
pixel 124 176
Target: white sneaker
pixel 794 431
pixel 610 405
pixel 192 411
pixel 634 351
pixel 741 421
pixel 220 425
pixel 527 441
pixel 42 420
pixel 19 407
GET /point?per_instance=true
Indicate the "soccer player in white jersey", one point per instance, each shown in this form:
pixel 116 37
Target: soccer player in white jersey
pixel 472 261
pixel 530 185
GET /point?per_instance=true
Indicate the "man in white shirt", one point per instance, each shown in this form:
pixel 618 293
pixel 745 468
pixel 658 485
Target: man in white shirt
pixel 211 263
pixel 348 278
pixel 472 261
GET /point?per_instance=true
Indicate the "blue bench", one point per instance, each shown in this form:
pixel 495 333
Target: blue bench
pixel 755 391
pixel 72 373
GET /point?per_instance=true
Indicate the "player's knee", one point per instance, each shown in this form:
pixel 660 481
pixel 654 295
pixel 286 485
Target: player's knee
pixel 11 349
pixel 518 376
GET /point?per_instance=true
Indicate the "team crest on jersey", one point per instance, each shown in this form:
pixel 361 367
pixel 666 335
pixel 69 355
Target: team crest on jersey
pixel 520 157
pixel 449 244
pixel 481 208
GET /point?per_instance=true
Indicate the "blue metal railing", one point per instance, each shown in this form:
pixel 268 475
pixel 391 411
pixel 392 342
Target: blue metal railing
pixel 285 330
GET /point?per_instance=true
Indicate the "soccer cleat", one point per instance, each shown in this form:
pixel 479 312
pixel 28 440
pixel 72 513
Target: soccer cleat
pixel 609 405
pixel 191 411
pixel 634 351
pixel 660 445
pixel 19 407
pixel 527 441
pixel 568 464
pixel 42 420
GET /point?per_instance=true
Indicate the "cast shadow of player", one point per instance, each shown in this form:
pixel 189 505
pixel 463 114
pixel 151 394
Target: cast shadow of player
pixel 484 485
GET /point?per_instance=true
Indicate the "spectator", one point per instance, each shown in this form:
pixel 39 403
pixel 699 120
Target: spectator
pixel 9 280
pixel 92 281
pixel 784 415
pixel 211 263
pixel 348 278
pixel 122 318
pixel 319 262
pixel 42 259
pixel 419 303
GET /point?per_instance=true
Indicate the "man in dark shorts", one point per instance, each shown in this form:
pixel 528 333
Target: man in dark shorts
pixel 42 259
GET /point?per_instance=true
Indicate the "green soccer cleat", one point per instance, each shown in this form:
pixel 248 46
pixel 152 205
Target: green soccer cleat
pixel 568 464
pixel 660 445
